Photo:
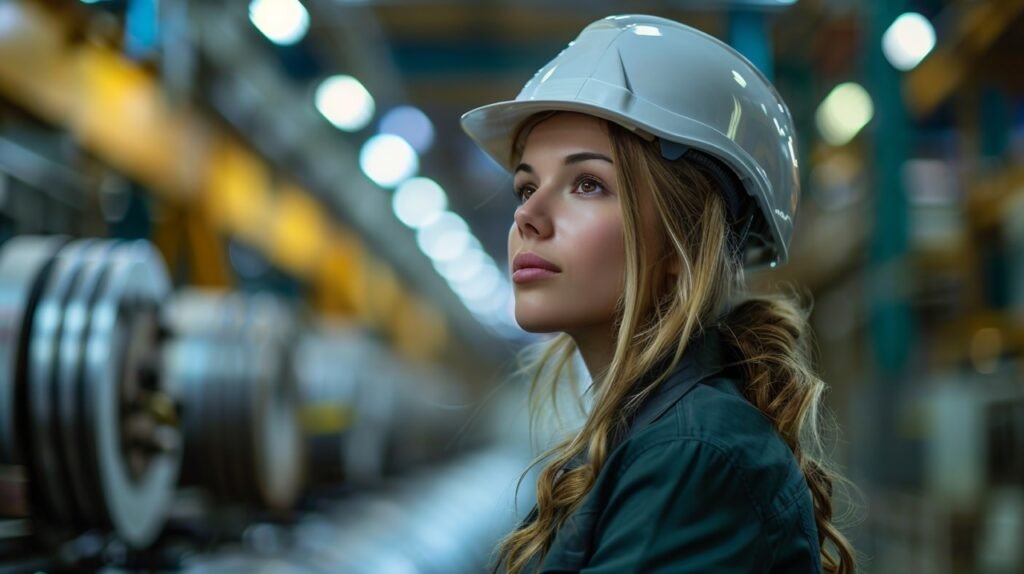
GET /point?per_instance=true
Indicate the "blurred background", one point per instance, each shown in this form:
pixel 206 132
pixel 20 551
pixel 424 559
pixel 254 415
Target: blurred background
pixel 254 307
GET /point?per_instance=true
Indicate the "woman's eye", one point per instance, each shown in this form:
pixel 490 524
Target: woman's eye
pixel 589 185
pixel 584 186
pixel 523 192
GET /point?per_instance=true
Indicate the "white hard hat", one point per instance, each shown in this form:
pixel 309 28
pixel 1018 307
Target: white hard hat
pixel 694 93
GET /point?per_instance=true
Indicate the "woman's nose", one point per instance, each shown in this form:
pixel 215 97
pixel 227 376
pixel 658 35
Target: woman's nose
pixel 532 219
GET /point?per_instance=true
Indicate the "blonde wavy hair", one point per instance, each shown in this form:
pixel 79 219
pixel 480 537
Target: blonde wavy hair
pixel 657 314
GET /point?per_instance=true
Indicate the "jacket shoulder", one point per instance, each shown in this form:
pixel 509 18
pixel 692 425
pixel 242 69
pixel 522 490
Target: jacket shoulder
pixel 716 414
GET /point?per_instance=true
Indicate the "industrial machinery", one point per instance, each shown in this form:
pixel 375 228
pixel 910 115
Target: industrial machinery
pixel 231 363
pixel 143 427
pixel 85 411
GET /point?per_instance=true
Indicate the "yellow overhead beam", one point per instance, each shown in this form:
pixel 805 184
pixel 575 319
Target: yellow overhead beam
pixel 419 330
pixel 341 286
pixel 118 112
pixel 35 66
pixel 299 231
pixel 235 191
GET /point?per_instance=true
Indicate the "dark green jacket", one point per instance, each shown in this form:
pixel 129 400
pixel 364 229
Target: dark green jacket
pixel 701 482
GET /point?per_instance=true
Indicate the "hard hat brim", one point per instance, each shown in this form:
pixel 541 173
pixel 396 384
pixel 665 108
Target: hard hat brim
pixel 493 126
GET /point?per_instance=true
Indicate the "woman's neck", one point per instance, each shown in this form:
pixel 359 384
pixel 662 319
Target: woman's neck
pixel 597 348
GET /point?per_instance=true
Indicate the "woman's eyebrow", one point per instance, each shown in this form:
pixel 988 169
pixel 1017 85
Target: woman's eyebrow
pixel 569 160
pixel 586 156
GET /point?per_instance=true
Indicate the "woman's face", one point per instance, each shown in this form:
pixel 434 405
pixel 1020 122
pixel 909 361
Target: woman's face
pixel 570 217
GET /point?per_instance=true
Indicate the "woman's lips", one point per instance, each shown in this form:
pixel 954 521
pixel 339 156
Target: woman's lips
pixel 528 274
pixel 528 267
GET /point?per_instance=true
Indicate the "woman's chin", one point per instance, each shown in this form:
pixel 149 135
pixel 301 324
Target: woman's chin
pixel 537 323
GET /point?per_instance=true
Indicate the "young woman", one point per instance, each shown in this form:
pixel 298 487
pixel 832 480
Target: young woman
pixel 653 164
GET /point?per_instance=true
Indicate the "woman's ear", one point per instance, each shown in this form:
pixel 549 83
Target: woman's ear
pixel 674 267
pixel 670 272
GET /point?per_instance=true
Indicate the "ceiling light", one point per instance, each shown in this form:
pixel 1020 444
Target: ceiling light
pixel 388 160
pixel 283 22
pixel 463 268
pixel 843 113
pixel 345 102
pixel 908 40
pixel 419 201
pixel 446 238
pixel 410 123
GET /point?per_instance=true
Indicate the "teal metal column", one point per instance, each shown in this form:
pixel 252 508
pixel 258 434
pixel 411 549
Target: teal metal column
pixel 995 118
pixel 748 33
pixel 892 329
pixel 888 457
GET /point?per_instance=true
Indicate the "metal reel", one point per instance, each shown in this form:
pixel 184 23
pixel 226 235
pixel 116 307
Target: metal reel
pixel 196 311
pixel 204 312
pixel 199 367
pixel 25 263
pixel 243 438
pixel 130 421
pixel 278 436
pixel 91 422
pixel 346 408
pixel 367 445
pixel 327 388
pixel 70 428
pixel 51 479
pixel 188 371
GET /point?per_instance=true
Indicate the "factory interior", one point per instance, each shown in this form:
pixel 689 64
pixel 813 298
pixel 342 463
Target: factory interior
pixel 285 184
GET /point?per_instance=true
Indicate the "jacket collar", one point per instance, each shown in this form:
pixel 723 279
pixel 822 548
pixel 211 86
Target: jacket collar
pixel 703 358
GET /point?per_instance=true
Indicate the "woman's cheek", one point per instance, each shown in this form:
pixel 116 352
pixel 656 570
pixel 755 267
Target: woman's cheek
pixel 599 264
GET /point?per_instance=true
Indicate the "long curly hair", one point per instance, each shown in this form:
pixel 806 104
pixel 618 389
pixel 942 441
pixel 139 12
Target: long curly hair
pixel 656 316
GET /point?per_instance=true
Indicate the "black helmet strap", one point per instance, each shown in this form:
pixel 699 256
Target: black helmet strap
pixel 737 201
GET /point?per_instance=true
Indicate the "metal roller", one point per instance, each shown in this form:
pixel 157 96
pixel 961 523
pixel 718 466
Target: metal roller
pixel 373 428
pixel 232 314
pixel 200 369
pixel 346 407
pixel 368 413
pixel 279 458
pixel 69 387
pixel 242 429
pixel 267 317
pixel 83 404
pixel 178 374
pixel 238 424
pixel 25 264
pixel 327 387
pixel 131 432
pixel 50 480
pixel 194 312
pixel 232 358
